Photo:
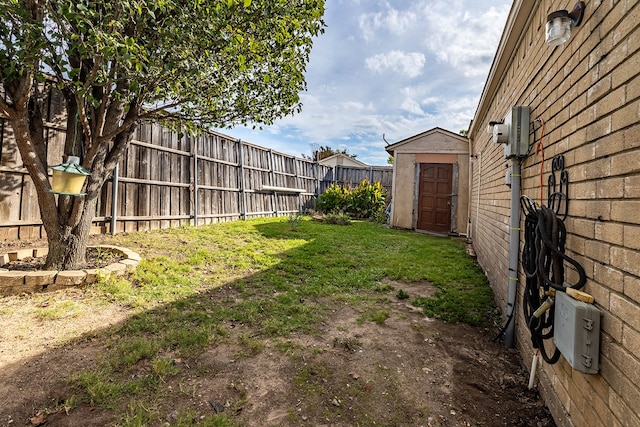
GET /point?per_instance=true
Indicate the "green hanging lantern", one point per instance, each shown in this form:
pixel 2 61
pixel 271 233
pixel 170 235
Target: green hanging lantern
pixel 69 177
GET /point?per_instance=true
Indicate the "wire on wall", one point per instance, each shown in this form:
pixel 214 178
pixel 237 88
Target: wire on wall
pixel 540 151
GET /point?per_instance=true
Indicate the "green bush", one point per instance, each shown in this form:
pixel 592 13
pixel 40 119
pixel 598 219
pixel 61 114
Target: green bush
pixel 365 201
pixel 333 200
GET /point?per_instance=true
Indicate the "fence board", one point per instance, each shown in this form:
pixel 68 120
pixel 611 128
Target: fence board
pixel 157 179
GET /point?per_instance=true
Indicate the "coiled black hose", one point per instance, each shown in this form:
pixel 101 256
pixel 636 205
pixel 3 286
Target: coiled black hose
pixel 543 260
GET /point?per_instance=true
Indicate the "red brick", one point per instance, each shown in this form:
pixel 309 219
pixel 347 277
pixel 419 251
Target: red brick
pixel 632 236
pixel 626 259
pixel 625 416
pixel 612 188
pixel 626 70
pixel 632 288
pixel 609 145
pixel 625 310
pixel 632 186
pixel 581 227
pixel 609 277
pixel 598 129
pixel 625 211
pixel 625 163
pixel 625 361
pixel 632 88
pixel 631 340
pixel 626 116
pixel 612 326
pixel 600 89
pixel 610 232
pixel 597 250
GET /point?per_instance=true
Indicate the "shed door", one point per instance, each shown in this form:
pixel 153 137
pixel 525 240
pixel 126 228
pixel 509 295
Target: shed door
pixel 434 197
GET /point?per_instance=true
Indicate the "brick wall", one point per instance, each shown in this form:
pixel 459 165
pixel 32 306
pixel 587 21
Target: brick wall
pixel 588 94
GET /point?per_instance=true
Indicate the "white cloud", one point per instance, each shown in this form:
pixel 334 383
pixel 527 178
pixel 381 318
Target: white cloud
pixel 408 64
pixel 391 21
pixel 411 106
pixel 396 68
pixel 467 41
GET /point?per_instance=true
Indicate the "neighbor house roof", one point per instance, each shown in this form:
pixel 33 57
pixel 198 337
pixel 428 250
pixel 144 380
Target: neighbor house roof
pixel 342 160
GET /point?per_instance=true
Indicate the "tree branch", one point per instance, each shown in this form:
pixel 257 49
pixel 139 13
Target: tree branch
pixel 6 109
pixel 101 113
pixel 82 116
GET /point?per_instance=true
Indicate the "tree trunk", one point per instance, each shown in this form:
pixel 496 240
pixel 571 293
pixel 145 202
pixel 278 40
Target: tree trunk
pixel 68 242
pixel 66 219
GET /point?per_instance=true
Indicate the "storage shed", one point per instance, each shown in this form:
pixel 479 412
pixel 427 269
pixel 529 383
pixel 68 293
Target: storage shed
pixel 431 182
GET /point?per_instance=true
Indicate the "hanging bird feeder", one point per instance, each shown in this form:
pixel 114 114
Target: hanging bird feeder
pixel 69 177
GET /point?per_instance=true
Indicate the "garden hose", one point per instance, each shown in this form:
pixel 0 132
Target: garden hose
pixel 543 260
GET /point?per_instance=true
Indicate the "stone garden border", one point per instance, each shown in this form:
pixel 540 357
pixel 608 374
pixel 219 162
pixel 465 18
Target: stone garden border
pixel 13 282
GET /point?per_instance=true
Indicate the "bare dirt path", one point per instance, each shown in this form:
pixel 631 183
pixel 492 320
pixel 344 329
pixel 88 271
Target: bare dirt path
pixel 408 371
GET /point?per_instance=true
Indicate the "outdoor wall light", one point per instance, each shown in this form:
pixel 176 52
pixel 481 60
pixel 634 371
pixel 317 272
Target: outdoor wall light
pixel 559 23
pixel 69 177
pixel 491 125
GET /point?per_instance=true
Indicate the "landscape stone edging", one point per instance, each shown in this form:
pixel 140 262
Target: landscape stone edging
pixel 13 282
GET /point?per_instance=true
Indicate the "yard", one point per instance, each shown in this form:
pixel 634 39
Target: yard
pixel 271 322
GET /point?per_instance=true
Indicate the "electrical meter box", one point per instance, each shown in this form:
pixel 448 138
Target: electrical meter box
pixel 576 333
pixel 514 132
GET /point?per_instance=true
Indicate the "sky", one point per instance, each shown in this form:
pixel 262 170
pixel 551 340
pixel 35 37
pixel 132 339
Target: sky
pixel 388 70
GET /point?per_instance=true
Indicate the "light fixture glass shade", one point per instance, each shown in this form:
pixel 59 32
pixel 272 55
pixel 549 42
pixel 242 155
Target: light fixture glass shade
pixel 68 178
pixel 558 30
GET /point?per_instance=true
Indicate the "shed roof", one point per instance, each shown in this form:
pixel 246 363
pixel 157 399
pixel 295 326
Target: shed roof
pixel 420 137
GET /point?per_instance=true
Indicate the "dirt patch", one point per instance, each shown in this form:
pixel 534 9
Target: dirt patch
pixel 408 371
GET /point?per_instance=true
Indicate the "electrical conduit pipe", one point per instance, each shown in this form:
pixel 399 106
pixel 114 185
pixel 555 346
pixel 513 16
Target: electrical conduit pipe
pixel 514 250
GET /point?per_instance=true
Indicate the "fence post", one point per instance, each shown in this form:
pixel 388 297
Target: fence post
pixel 370 174
pixel 317 179
pixel 195 187
pixel 114 198
pixel 273 182
pixel 295 171
pixel 243 193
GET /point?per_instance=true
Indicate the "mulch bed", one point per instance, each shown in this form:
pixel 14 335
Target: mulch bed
pixel 96 258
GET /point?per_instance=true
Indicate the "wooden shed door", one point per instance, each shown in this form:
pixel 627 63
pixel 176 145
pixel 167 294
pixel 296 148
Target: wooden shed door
pixel 434 197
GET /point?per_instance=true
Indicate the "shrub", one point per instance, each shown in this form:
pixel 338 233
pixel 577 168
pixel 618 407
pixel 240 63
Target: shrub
pixel 333 200
pixel 365 201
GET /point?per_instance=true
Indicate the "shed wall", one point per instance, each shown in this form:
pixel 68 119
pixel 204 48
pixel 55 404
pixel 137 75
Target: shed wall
pixel 405 189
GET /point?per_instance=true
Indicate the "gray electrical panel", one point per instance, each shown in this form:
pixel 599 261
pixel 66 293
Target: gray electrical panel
pixel 518 122
pixel 577 333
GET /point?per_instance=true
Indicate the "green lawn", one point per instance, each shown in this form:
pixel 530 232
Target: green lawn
pixel 193 281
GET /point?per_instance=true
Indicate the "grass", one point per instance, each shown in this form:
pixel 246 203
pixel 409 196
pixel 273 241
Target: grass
pixel 60 310
pixel 275 277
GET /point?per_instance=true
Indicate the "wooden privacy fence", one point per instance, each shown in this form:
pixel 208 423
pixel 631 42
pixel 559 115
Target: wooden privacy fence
pixel 348 176
pixel 166 179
